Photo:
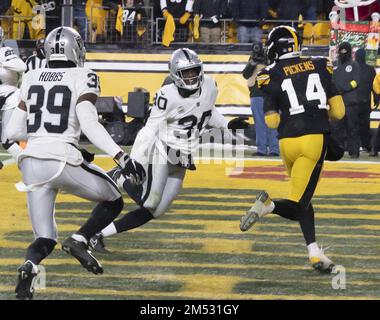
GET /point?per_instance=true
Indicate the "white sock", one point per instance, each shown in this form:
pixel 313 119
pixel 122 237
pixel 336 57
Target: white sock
pixel 313 249
pixel 79 238
pixel 109 230
pixel 14 150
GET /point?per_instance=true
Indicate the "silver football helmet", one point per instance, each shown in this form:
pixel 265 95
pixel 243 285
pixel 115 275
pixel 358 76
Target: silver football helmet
pixel 65 44
pixel 186 69
pixel 2 38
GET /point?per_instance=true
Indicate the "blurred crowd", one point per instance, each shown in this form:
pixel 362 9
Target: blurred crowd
pixel 195 20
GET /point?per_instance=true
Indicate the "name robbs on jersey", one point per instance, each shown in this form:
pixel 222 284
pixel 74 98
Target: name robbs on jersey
pixel 51 96
pixel 182 120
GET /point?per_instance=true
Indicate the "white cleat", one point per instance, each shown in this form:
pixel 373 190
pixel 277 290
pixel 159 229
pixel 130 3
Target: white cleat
pixel 262 206
pixel 320 262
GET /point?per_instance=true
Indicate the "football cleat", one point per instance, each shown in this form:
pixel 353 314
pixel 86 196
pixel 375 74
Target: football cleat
pixel 97 243
pixel 27 273
pixel 262 206
pixel 80 251
pixel 321 263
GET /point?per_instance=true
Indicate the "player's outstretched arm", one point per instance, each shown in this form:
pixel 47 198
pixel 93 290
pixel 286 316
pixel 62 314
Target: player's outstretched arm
pixel 16 129
pixel 12 62
pixel 97 134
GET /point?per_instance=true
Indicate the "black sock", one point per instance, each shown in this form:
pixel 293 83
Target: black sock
pixel 306 220
pixel 39 250
pixel 102 215
pixel 133 220
pixel 286 208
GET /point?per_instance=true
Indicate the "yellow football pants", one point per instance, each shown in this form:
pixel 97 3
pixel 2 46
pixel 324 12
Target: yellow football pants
pixel 303 158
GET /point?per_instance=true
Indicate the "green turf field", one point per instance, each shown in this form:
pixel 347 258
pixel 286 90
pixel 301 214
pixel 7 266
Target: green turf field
pixel 197 250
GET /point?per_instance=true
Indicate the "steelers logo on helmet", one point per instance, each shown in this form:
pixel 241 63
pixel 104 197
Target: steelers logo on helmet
pixel 282 40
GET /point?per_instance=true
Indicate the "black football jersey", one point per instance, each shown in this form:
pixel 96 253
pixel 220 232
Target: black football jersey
pixel 298 88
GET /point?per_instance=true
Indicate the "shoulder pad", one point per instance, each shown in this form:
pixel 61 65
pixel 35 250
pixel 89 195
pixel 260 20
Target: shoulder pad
pixel 263 78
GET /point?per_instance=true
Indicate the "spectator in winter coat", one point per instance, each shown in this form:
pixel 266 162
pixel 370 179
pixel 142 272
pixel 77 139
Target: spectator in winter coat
pixel 212 11
pixel 367 75
pixel 249 32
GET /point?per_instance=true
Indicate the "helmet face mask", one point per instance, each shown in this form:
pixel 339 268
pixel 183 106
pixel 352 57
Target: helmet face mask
pixel 65 44
pixel 282 40
pixel 186 69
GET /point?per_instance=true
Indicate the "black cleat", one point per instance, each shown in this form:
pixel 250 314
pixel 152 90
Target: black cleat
pixel 80 251
pixel 25 283
pixel 97 243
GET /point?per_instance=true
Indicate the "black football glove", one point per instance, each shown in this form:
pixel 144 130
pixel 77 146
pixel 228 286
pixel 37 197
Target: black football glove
pixel 132 170
pixel 238 123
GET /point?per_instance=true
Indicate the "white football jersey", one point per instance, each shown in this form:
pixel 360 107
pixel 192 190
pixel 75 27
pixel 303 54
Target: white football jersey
pixel 51 96
pixel 179 121
pixel 11 67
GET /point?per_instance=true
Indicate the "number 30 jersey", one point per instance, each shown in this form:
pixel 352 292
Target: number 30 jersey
pixel 298 88
pixel 51 96
pixel 175 123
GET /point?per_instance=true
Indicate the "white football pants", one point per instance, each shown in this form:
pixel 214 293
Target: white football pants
pixel 86 181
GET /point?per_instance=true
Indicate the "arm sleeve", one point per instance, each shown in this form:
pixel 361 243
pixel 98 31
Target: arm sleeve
pixel 148 134
pixel 265 84
pixel 12 62
pixel 87 82
pixel 217 120
pixel 94 131
pixel 16 127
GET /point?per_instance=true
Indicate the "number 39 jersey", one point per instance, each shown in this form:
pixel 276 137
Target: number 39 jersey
pixel 51 96
pixel 298 89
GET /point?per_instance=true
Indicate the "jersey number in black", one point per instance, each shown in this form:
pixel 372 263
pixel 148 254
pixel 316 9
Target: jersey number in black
pixel 62 109
pixel 192 121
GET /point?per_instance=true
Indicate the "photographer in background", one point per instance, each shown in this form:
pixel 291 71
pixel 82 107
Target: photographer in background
pixel 266 139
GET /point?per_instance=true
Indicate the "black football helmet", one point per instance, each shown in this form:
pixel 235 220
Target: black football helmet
pixel 282 40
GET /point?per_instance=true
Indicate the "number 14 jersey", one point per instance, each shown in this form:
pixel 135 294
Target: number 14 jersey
pixel 299 89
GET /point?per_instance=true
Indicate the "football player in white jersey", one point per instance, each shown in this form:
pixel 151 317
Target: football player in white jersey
pixel 57 103
pixel 179 115
pixel 11 68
